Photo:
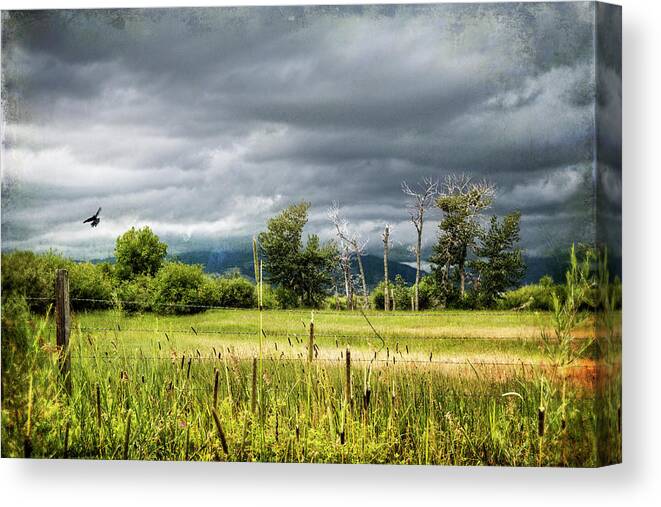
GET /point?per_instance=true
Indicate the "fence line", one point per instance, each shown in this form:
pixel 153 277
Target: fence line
pixel 278 334
pixel 466 363
pixel 437 313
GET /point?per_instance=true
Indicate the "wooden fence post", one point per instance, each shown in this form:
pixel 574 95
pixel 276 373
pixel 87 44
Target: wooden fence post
pixel 63 325
pixel 311 343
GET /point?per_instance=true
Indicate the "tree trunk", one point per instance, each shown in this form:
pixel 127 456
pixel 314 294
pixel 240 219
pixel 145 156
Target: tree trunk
pixel 363 281
pixel 462 280
pixel 348 283
pixel 417 269
pixel 386 290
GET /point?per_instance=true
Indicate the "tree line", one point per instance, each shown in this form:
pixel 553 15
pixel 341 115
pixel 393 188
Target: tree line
pixel 474 262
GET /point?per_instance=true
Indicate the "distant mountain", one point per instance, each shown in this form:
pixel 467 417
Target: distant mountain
pixel 223 262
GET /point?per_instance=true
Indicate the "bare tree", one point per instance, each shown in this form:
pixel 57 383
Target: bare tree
pixel 461 200
pixel 350 243
pixel 420 199
pixel 386 285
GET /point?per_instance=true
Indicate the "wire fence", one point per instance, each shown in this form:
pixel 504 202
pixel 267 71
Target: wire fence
pixel 394 357
pixel 369 312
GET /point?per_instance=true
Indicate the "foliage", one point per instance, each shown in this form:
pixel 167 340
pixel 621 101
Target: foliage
pixel 498 260
pixel 90 285
pixel 461 203
pixel 528 297
pixel 294 268
pixel 178 288
pixel 32 275
pixel 402 293
pixel 561 345
pixel 228 291
pixel 135 295
pixel 138 252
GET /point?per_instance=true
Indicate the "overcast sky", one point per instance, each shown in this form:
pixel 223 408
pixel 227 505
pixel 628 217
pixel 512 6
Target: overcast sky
pixel 204 122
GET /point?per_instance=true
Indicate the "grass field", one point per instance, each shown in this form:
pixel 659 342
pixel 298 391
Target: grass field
pixel 453 387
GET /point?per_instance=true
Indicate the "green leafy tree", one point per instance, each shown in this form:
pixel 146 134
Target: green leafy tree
pixel 499 261
pixel 302 270
pixel 138 252
pixel 462 201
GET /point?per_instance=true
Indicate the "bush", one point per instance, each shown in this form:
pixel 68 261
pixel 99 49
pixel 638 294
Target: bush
pixel 134 296
pixel 232 292
pixel 401 293
pixel 178 288
pixel 87 281
pixel 530 297
pixel 33 276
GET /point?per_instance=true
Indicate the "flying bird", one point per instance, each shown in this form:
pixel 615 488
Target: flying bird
pixel 94 219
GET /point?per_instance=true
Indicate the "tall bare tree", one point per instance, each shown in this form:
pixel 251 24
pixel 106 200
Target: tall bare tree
pixel 462 201
pixel 350 243
pixel 386 285
pixel 420 199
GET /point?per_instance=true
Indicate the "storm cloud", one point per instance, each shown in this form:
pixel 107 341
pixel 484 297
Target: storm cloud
pixel 204 122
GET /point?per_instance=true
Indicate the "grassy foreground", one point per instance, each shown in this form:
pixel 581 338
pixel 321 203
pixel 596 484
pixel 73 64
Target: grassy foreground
pixel 463 388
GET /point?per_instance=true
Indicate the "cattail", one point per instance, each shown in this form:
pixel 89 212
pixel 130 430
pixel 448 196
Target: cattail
pixel 276 426
pixel 407 349
pixel 541 415
pixel 221 433
pixel 183 357
pixel 619 419
pixel 127 435
pixel 311 341
pixel 289 340
pixel 98 406
pixel 366 399
pixel 215 387
pixel 188 371
pixel 159 345
pixel 431 354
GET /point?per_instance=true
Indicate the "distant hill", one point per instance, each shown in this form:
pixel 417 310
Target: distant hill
pixel 222 262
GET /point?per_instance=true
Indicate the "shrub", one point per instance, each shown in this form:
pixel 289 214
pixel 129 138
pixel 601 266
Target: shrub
pixel 32 275
pixel 134 296
pixel 401 293
pixel 231 291
pixel 178 288
pixel 530 297
pixel 87 281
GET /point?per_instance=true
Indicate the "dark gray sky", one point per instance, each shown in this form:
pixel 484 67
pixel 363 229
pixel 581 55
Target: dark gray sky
pixel 204 122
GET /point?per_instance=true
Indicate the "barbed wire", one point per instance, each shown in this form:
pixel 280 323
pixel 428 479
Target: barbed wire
pixel 280 334
pixel 436 313
pixel 465 363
